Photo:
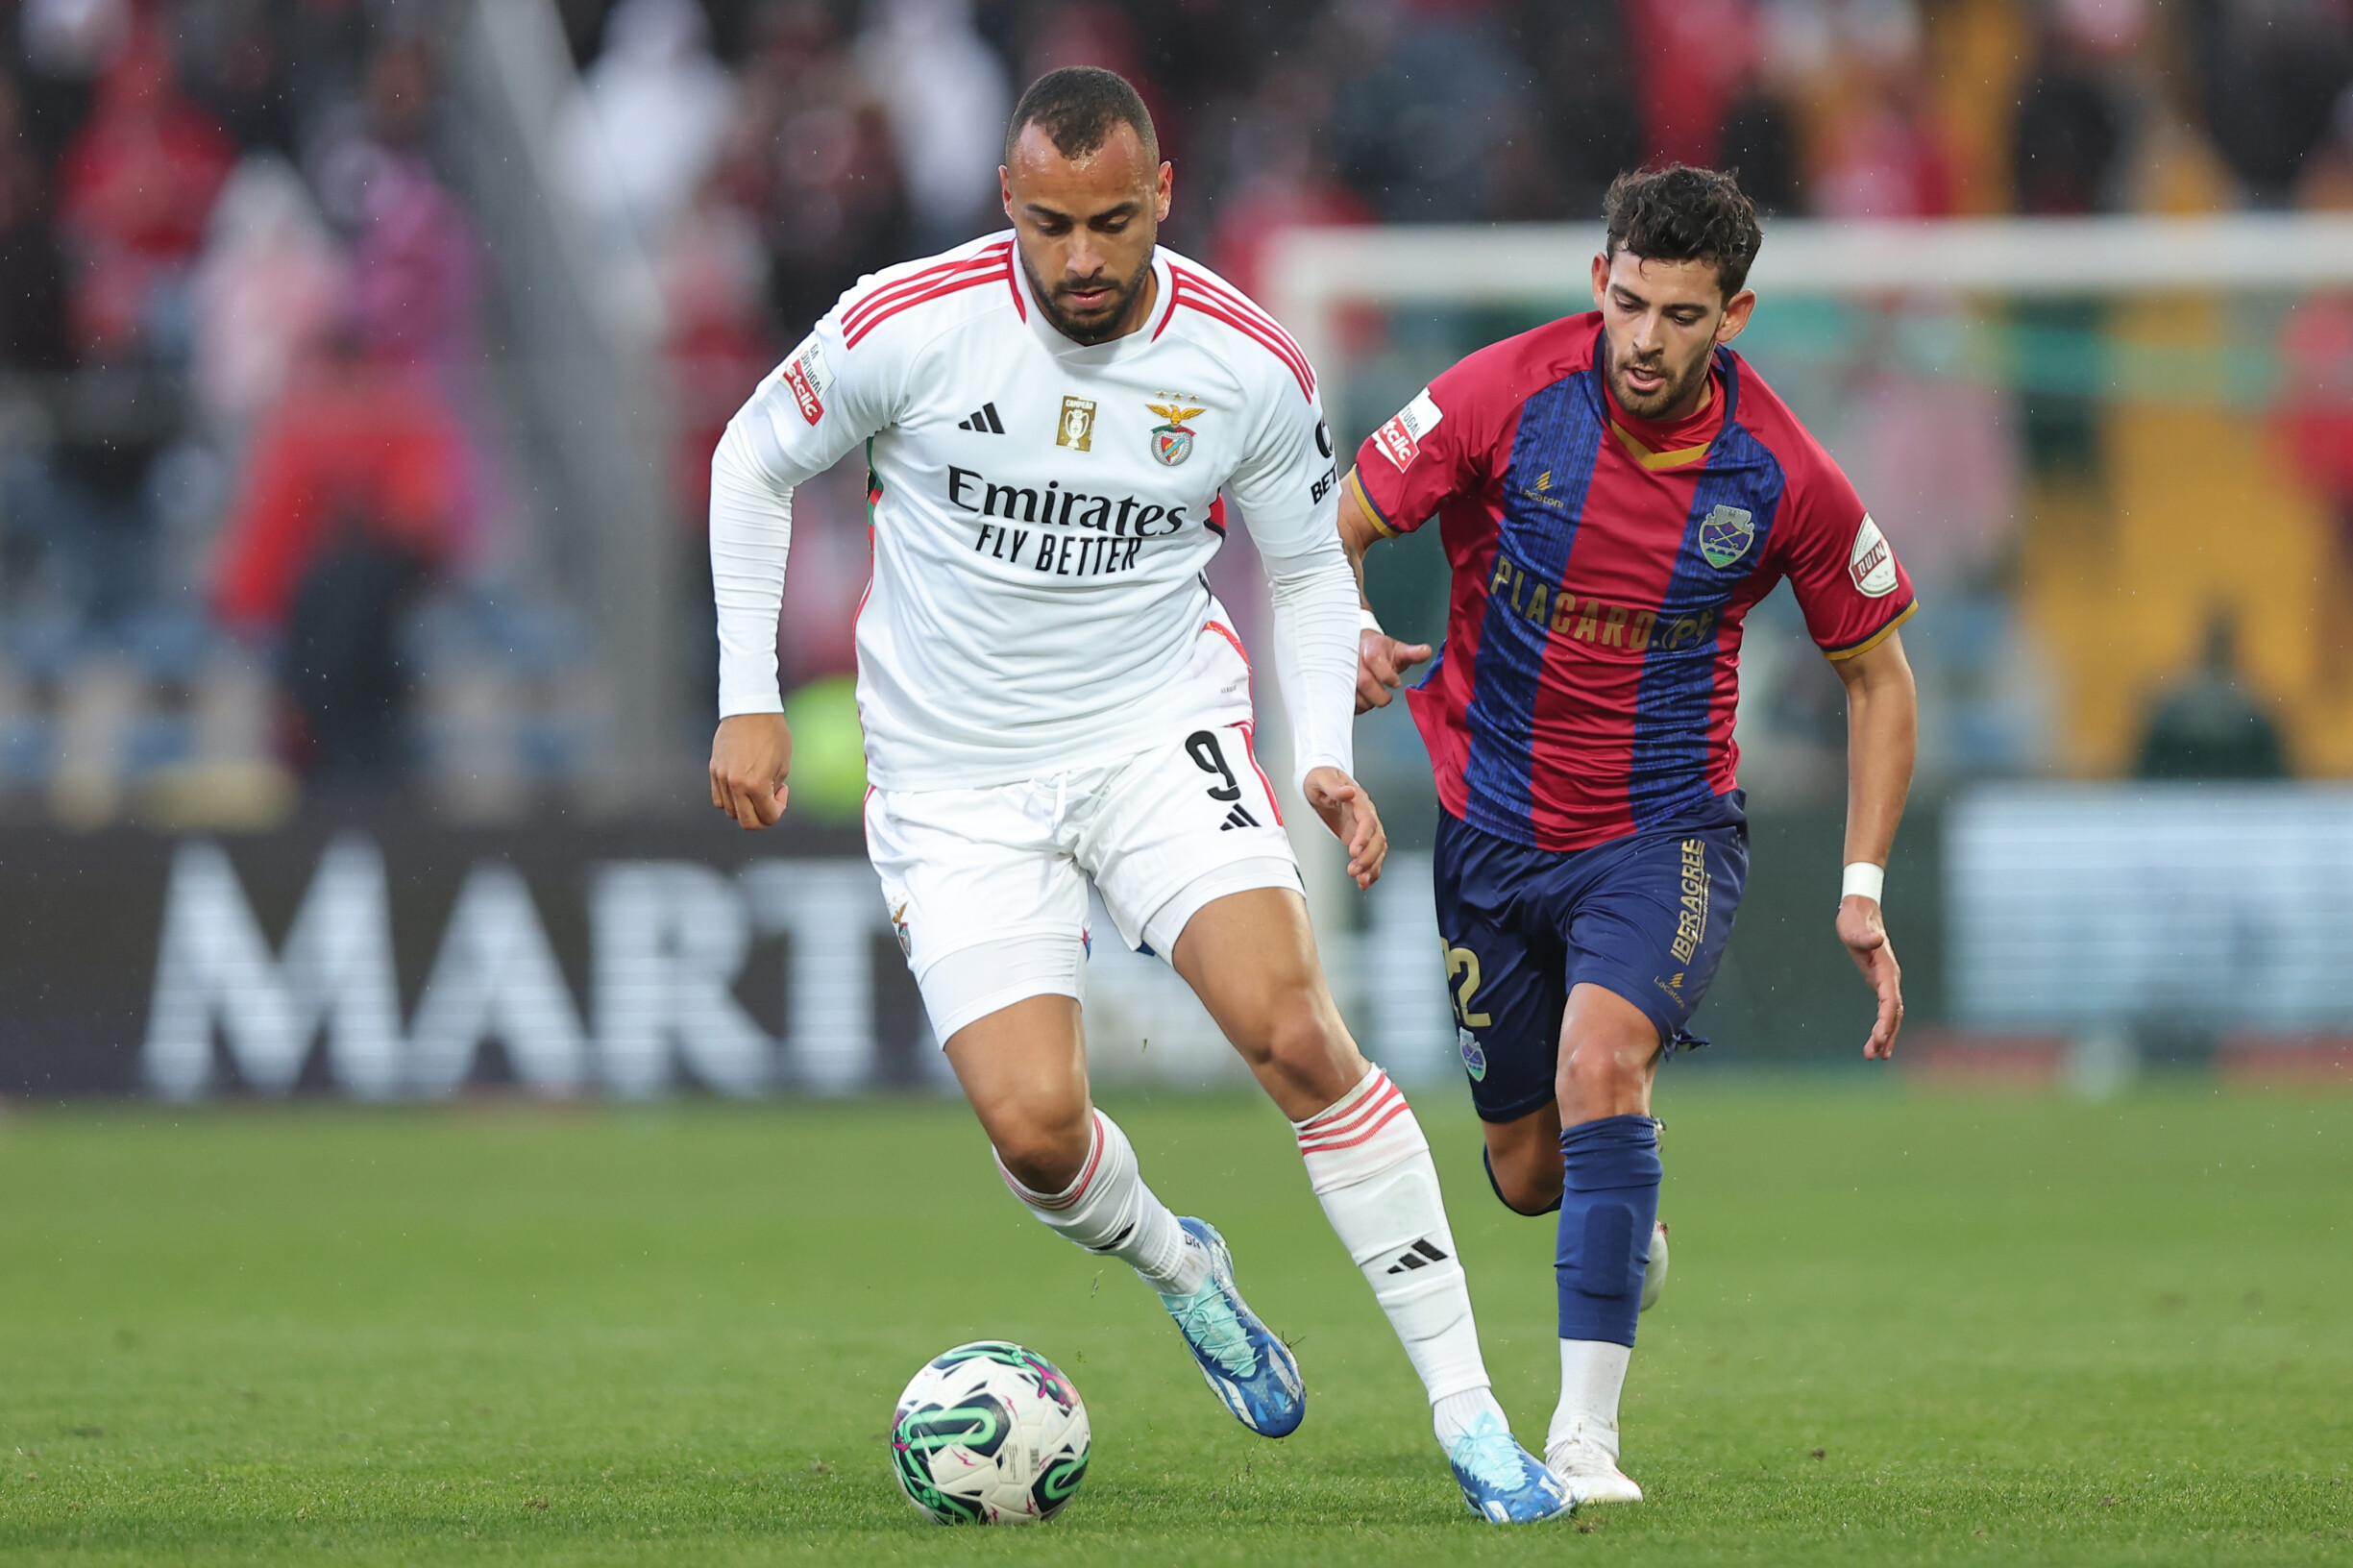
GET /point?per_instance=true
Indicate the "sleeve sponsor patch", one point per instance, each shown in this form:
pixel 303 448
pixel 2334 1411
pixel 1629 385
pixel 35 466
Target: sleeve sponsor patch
pixel 1871 563
pixel 808 375
pixel 1401 439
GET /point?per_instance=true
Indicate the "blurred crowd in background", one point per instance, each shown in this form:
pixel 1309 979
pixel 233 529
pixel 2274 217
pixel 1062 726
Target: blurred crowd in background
pixel 246 423
pixel 264 530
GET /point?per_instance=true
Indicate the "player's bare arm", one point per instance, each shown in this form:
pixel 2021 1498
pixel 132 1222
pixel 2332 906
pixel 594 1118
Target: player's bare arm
pixel 1382 661
pixel 751 756
pixel 1883 734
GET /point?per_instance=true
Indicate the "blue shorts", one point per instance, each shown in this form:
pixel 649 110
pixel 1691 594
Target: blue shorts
pixel 1645 917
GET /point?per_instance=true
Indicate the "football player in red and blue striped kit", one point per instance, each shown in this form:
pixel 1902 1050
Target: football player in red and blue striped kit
pixel 1614 490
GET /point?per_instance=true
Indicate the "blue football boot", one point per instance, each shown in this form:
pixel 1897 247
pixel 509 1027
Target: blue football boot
pixel 1248 1367
pixel 1501 1481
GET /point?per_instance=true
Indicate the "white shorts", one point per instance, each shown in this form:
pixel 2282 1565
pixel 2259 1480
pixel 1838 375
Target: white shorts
pixel 987 887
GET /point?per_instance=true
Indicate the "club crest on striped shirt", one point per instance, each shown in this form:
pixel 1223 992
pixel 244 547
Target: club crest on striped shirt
pixel 1724 537
pixel 1173 443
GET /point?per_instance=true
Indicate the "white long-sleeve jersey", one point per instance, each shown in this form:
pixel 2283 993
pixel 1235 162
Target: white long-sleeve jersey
pixel 1043 511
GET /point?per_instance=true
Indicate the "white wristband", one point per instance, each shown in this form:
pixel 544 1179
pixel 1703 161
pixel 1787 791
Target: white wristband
pixel 1366 621
pixel 1863 880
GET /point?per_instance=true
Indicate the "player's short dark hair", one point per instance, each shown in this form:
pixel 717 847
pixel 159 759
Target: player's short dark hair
pixel 1680 213
pixel 1079 107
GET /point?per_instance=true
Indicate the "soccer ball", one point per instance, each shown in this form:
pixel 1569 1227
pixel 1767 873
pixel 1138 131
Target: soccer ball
pixel 990 1434
pixel 1654 1270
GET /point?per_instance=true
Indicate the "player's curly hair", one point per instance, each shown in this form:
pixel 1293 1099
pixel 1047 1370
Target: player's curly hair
pixel 1079 107
pixel 1680 213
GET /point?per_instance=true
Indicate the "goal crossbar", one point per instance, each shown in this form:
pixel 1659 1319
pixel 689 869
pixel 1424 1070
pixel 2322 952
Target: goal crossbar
pixel 1315 271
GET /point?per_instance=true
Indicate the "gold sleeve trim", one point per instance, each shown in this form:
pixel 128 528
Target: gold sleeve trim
pixel 1372 513
pixel 1875 638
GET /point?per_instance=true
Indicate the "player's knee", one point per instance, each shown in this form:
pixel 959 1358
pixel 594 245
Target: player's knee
pixel 1304 1044
pixel 1601 1074
pixel 1044 1149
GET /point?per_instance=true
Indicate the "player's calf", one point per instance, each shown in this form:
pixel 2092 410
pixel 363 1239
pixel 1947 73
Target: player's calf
pixel 1251 958
pixel 1303 1058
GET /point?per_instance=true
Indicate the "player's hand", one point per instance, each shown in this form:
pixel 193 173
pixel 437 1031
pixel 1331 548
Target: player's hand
pixel 1348 811
pixel 1865 935
pixel 750 757
pixel 1381 662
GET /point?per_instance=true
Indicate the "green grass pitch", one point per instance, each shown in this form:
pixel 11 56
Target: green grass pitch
pixel 1899 1330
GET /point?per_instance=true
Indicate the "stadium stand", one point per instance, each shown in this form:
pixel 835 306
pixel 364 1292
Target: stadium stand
pixel 225 227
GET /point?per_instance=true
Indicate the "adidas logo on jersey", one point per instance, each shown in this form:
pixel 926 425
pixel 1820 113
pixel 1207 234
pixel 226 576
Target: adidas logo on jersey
pixel 985 421
pixel 1237 817
pixel 1421 1255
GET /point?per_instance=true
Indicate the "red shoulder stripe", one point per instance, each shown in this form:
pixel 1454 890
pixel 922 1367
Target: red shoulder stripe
pixel 1272 344
pixel 894 293
pixel 946 286
pixel 1241 304
pixel 1237 312
pixel 914 282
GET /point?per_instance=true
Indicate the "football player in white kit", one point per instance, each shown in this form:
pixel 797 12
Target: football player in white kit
pixel 1051 694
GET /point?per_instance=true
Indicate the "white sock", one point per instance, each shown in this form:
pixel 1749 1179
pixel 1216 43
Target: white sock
pixel 1108 1209
pixel 1458 1413
pixel 1371 1170
pixel 1592 1374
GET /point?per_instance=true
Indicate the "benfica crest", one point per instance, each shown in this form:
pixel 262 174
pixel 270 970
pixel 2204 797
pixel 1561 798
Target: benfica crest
pixel 1173 443
pixel 1724 537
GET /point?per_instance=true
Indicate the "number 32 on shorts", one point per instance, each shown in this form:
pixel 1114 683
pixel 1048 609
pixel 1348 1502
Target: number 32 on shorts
pixel 1462 962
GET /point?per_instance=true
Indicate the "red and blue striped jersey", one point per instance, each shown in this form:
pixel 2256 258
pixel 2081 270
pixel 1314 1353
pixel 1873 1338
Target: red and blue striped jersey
pixel 1602 568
